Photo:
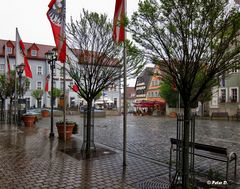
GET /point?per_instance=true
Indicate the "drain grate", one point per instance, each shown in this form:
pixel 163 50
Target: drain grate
pixel 154 183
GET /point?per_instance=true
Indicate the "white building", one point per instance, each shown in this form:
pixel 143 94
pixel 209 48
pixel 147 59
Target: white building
pixel 40 69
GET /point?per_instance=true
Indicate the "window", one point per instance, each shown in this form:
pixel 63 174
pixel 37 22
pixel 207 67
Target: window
pixel 39 70
pixel 61 72
pixel 234 69
pixel 2 67
pixel 233 92
pixel 28 105
pixel 222 95
pixel 28 84
pixel 54 84
pixel 9 50
pixel 39 85
pixel 33 52
pixel 61 85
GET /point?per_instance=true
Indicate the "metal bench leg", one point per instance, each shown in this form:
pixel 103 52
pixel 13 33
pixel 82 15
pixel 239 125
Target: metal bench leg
pixel 227 169
pixel 235 167
pixel 170 164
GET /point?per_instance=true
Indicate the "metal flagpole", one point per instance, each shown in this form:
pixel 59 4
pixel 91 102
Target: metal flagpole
pixel 64 80
pixel 4 114
pixel 15 90
pixel 124 96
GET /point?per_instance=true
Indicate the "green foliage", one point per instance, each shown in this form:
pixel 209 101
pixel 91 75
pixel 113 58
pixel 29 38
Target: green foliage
pixel 169 94
pixel 7 85
pixel 98 62
pixel 56 93
pixel 194 42
pixel 98 95
pixel 189 37
pixel 37 94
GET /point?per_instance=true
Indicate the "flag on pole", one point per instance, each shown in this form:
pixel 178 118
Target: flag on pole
pixel 46 82
pixel 75 88
pixel 56 16
pixel 8 69
pixel 20 55
pixel 118 21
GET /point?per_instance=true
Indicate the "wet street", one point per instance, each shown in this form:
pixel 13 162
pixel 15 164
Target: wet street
pixel 29 159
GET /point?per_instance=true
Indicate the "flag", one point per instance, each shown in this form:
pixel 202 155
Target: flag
pixel 56 16
pixel 8 69
pixel 75 88
pixel 21 57
pixel 118 21
pixel 46 82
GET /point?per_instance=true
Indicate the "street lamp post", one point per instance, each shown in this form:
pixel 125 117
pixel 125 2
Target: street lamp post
pixel 51 58
pixel 20 69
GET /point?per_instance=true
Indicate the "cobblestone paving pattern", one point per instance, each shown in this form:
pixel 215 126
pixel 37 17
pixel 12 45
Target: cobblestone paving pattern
pixel 29 159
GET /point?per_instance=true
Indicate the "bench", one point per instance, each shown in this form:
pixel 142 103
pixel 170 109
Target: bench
pixel 215 153
pixel 220 114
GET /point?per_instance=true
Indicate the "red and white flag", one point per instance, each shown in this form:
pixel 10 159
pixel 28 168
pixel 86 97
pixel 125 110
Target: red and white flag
pixel 118 21
pixel 46 82
pixel 56 16
pixel 20 55
pixel 7 64
pixel 8 68
pixel 75 88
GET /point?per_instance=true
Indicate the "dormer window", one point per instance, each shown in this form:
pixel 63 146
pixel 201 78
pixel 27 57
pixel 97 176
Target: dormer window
pixel 33 52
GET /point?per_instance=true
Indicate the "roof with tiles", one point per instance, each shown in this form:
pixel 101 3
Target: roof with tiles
pixel 41 49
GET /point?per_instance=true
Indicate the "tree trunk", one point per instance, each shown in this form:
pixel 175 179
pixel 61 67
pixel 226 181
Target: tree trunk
pixel 89 119
pixel 2 109
pixel 10 111
pixel 185 154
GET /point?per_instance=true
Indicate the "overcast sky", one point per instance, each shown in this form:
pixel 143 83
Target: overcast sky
pixel 30 17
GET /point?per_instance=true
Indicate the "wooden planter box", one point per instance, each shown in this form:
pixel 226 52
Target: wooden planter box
pixel 29 120
pixel 60 128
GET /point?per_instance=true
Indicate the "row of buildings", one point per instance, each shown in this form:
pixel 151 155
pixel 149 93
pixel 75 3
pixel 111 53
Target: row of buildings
pixel 145 95
pixel 41 69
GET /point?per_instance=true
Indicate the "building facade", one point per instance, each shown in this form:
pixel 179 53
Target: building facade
pixel 142 83
pixel 40 70
pixel 226 97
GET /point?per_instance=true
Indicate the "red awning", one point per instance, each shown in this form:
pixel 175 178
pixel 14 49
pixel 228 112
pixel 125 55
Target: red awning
pixel 145 104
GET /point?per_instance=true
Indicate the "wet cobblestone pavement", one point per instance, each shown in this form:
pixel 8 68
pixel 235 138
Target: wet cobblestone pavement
pixel 29 159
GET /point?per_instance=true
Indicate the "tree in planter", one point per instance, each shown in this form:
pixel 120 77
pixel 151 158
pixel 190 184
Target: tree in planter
pixel 37 94
pixel 56 94
pixel 10 90
pixel 3 87
pixel 96 60
pixel 186 38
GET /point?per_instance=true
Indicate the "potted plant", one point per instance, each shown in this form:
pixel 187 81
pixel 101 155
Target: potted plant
pixel 69 128
pixel 45 113
pixel 29 120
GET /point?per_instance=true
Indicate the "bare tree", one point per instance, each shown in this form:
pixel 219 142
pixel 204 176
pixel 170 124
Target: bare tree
pixel 95 61
pixel 188 37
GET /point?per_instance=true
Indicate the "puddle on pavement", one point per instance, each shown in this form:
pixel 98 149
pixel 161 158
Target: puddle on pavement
pixel 79 155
